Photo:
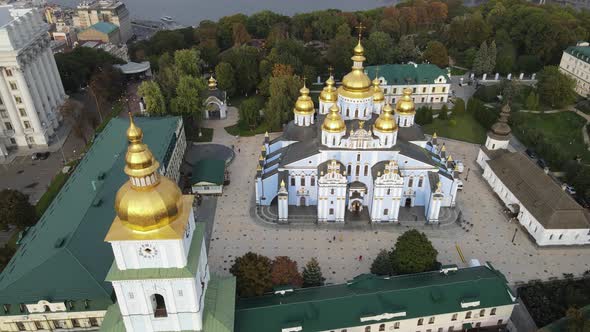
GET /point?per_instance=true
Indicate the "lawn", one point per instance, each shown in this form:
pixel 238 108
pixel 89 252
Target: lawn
pixel 465 129
pixel 237 130
pixel 556 136
pixel 457 71
pixel 206 135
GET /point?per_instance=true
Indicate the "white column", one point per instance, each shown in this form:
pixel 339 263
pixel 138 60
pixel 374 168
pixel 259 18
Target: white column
pixel 41 76
pixel 8 100
pixel 56 77
pixel 39 106
pixel 23 88
pixel 395 209
pixel 48 73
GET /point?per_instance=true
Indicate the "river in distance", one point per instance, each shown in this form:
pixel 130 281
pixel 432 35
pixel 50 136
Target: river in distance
pixel 191 12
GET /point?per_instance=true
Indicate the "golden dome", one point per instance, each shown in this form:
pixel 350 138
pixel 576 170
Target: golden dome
pixel 356 84
pixel 378 95
pixel 386 121
pixel 146 209
pixel 359 50
pixel 148 200
pixel 304 104
pixel 333 122
pixel 212 83
pixel 329 94
pixel 405 104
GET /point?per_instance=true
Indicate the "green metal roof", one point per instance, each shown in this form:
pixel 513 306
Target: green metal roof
pixel 208 170
pixel 113 321
pixel 401 74
pixel 580 52
pixel 220 301
pixel 341 306
pixel 104 27
pixel 189 271
pixel 64 256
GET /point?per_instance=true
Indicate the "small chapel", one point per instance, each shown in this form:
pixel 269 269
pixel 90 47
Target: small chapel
pixel 355 155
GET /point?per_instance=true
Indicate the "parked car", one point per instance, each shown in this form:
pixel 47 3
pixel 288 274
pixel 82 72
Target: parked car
pixel 569 189
pixel 542 163
pixel 531 153
pixel 40 155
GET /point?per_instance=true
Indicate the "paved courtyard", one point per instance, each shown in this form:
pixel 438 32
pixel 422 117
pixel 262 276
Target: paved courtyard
pixel 236 229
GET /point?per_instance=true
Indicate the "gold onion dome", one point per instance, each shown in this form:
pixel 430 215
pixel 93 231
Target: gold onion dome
pixel 333 122
pixel 405 104
pixel 304 104
pixel 356 84
pixel 212 83
pixel 386 121
pixel 329 94
pixel 147 201
pixel 378 95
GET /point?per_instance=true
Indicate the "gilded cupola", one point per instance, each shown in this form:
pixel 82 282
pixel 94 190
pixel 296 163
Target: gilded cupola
pixel 405 105
pixel 329 94
pixel 304 104
pixel 212 84
pixel 333 122
pixel 356 84
pixel 148 200
pixel 385 123
pixel 378 95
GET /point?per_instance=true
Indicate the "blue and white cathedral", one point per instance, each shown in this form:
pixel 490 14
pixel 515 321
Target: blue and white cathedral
pixel 355 155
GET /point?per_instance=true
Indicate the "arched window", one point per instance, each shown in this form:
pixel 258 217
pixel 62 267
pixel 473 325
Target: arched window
pixel 358 157
pixel 385 140
pixel 411 182
pixel 367 329
pixel 356 113
pixel 468 315
pixel 358 170
pixel 366 172
pixel 389 191
pixel 349 170
pixel 333 140
pixel 420 181
pixel 331 191
pixel 159 306
pixel 405 122
pixel 382 327
pixel 303 180
pixel 312 181
pixel 47 309
pixel 292 181
pixel 551 237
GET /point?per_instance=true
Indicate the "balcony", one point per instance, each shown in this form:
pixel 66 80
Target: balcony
pixel 7 133
pixel 29 130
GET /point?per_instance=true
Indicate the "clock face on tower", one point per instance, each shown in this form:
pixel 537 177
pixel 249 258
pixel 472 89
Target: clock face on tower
pixel 147 250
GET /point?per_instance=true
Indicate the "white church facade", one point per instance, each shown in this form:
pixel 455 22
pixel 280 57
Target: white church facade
pixel 359 155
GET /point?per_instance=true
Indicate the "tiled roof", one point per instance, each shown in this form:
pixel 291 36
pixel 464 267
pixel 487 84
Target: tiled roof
pixel 342 306
pixel 538 193
pixel 64 256
pixel 401 74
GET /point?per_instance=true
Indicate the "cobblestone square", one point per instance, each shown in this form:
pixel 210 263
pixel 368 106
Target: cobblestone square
pixel 237 230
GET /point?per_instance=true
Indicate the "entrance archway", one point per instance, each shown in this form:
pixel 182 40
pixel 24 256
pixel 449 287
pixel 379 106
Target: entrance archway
pixel 302 201
pixel 408 202
pixel 159 305
pixel 356 206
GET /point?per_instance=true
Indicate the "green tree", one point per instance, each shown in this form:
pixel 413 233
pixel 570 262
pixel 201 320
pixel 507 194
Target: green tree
pixel 340 50
pixel 224 73
pixel 240 35
pixel 576 321
pixel 284 272
pixel 423 115
pixel 312 274
pixel 406 49
pixel 459 106
pixel 187 62
pixel 532 101
pixel 253 274
pixel 260 24
pixel 436 53
pixel 413 253
pixel 555 88
pixel 481 61
pixel 250 112
pixel 444 113
pixel 509 89
pixel 378 48
pixel 283 93
pixel 492 54
pixel 244 61
pixel 16 210
pixel 382 264
pixel 189 100
pixel 153 97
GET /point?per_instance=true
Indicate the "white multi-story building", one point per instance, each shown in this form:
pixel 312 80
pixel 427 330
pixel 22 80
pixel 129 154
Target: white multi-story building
pixel 542 207
pixel 450 299
pixel 360 156
pixel 112 11
pixel 429 83
pixel 31 90
pixel 575 62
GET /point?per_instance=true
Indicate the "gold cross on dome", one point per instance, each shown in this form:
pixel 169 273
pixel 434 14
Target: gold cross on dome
pixel 303 78
pixel 331 70
pixel 360 29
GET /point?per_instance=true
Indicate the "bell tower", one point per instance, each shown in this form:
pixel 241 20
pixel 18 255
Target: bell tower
pixel 160 274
